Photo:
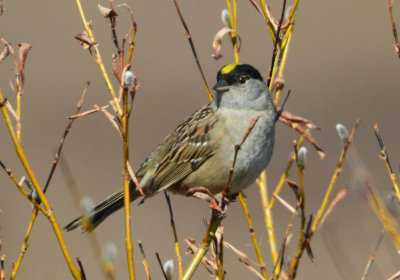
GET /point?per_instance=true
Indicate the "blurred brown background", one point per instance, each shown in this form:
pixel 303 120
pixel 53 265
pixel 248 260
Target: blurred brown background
pixel 341 66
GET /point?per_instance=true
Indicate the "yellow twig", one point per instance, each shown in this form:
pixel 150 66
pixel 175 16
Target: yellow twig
pixel 19 95
pixel 392 176
pixel 35 210
pixel 262 185
pixel 205 245
pixel 293 11
pixel 50 215
pixel 242 200
pixel 388 221
pixel 220 275
pixel 145 263
pixel 131 46
pixel 234 27
pixel 11 176
pixel 100 60
pixel 282 68
pixel 301 245
pixel 285 174
pixel 24 244
pixel 271 27
pixel 127 201
pixel 172 222
pixel 385 158
pixel 336 173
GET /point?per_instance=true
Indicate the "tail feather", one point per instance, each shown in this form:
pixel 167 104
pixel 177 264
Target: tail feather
pixel 100 212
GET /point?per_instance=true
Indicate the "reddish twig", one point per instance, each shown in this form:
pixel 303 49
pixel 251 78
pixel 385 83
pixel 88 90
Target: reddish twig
pixel 396 38
pixel 372 257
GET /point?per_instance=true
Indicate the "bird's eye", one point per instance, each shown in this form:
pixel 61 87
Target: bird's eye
pixel 242 79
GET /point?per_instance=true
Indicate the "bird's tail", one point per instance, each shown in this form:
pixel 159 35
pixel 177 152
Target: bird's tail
pixel 100 212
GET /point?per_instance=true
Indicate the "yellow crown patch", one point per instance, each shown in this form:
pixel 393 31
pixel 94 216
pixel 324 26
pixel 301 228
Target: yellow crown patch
pixel 228 68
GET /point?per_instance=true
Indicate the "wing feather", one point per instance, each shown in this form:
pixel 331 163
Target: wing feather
pixel 191 149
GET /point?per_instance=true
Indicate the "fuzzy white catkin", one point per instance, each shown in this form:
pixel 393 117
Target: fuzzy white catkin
pixel 302 157
pixel 392 204
pixel 34 195
pixel 342 131
pixel 287 12
pixel 169 269
pixel 87 205
pixel 226 18
pixel 110 252
pixel 129 78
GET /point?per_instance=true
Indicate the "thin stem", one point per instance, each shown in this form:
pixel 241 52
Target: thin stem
pixel 24 244
pixel 11 176
pixel 262 186
pixel 196 58
pixel 394 29
pixel 133 35
pixel 100 60
pixel 242 200
pixel 385 158
pixel 145 263
pixel 301 245
pixel 277 43
pixel 205 245
pixel 161 266
pixel 51 217
pixel 2 272
pixel 127 201
pixel 285 174
pixel 172 221
pixel 271 27
pixel 233 17
pixel 372 257
pixel 55 162
pixel 334 179
pixel 221 258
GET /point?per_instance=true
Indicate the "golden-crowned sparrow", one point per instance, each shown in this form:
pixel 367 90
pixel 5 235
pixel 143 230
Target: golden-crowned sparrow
pixel 200 151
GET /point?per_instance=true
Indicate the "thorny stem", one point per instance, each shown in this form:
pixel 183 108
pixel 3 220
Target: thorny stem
pixel 52 218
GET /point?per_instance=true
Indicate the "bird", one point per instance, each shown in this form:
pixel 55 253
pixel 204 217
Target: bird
pixel 201 149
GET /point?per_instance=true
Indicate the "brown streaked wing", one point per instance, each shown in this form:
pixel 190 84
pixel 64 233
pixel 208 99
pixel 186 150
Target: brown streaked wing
pixel 190 151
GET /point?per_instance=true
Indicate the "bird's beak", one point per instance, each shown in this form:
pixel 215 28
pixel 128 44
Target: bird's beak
pixel 221 86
